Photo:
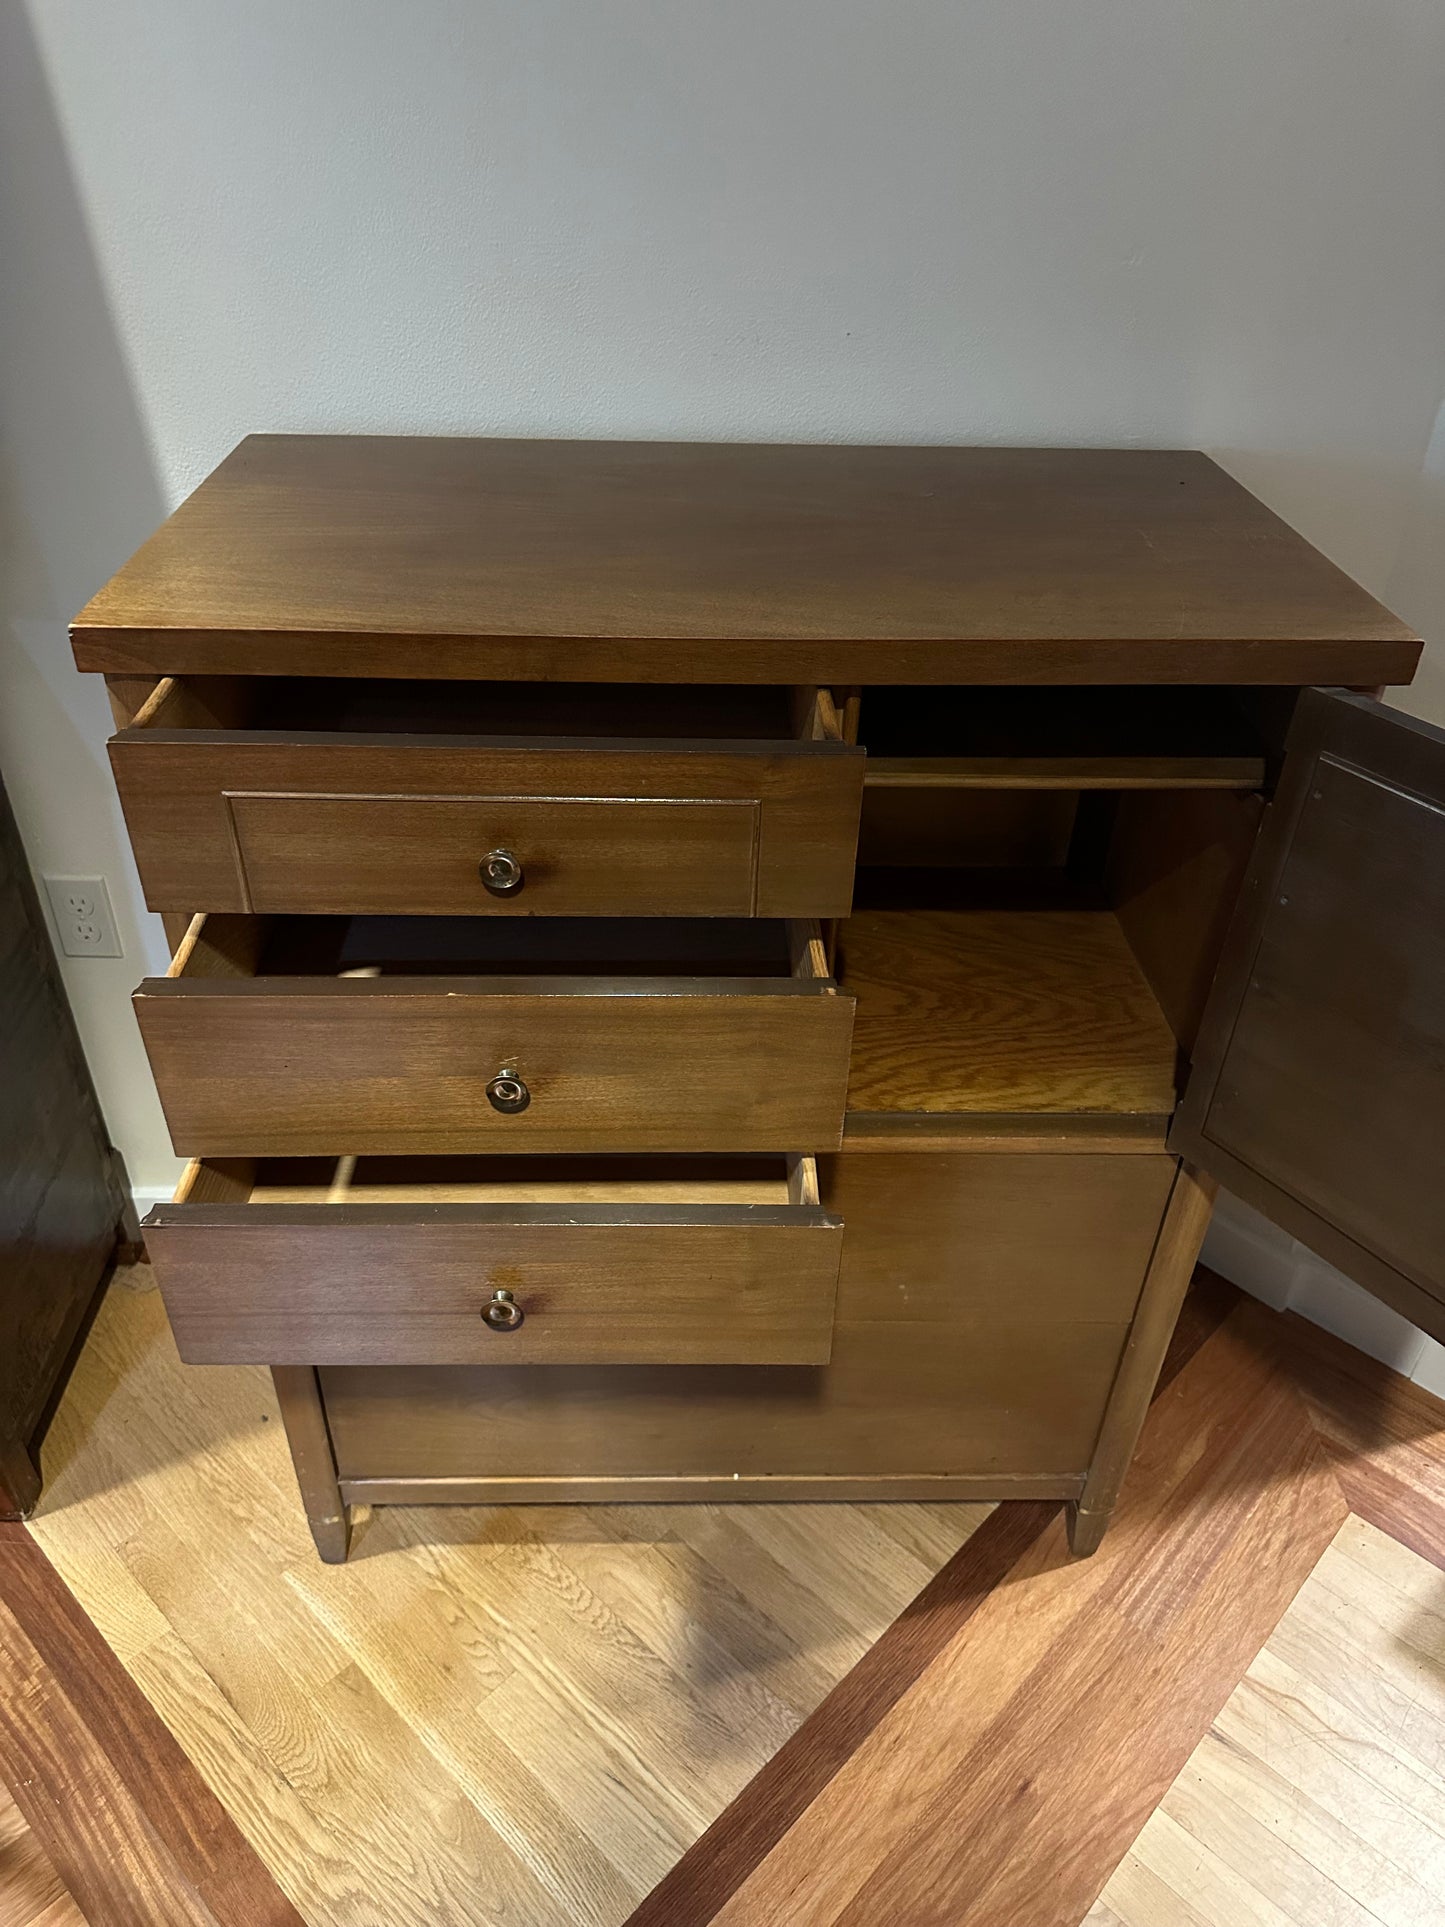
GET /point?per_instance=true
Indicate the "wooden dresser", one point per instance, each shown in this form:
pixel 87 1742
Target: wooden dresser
pixel 686 957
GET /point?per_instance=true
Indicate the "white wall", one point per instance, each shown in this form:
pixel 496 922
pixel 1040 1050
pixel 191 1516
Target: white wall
pixel 1117 221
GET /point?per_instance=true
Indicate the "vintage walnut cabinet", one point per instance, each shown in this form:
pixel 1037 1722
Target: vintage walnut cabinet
pixel 687 958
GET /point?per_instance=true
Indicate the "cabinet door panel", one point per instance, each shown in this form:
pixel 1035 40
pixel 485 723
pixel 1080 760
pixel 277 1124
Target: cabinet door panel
pixel 1318 1093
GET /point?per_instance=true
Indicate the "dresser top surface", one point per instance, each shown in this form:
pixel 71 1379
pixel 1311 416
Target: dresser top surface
pixel 709 562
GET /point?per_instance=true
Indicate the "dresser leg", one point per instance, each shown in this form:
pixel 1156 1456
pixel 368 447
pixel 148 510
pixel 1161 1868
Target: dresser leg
pixel 303 1413
pixel 1086 1527
pixel 19 1479
pixel 1186 1219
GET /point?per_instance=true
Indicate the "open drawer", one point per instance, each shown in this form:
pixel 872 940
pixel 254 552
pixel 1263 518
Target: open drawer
pixel 500 1261
pixel 508 799
pixel 329 1036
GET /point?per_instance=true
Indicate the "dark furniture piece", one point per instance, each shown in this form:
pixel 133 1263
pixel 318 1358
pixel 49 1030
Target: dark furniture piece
pixel 686 958
pixel 65 1209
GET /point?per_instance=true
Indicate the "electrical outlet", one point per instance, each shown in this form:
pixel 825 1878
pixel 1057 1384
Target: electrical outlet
pixel 83 917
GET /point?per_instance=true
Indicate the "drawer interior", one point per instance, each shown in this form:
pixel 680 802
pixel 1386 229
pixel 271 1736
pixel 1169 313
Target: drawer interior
pixel 535 714
pixel 680 1182
pixel 223 946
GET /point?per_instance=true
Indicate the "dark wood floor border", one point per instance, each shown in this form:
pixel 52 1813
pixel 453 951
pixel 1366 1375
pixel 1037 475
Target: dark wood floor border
pixel 745 1832
pixel 132 1829
pixel 722 1858
pixel 1385 1435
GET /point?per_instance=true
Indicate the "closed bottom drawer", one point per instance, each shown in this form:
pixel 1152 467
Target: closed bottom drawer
pixel 983 1309
pixel 492 1262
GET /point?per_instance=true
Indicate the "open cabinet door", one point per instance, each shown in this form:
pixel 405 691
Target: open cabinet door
pixel 1318 1088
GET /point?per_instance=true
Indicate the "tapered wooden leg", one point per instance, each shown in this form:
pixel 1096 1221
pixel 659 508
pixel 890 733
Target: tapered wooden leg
pixel 298 1393
pixel 19 1479
pixel 1186 1219
pixel 1086 1529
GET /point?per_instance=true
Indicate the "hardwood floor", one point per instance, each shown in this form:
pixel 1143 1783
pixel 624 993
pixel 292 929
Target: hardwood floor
pixel 1056 1704
pixel 1318 1793
pixel 32 1894
pixel 131 1830
pixel 520 1714
pixel 1233 1715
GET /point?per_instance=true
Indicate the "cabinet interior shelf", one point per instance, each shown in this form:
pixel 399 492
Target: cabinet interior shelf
pixel 1012 1011
pixel 1092 738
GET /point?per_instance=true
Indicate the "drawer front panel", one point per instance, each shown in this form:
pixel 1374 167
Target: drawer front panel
pixel 298 1067
pixel 574 856
pixel 364 1284
pixel 190 801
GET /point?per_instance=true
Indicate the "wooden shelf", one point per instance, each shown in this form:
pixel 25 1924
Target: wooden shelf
pixel 1011 1011
pixel 1024 738
pixel 1064 773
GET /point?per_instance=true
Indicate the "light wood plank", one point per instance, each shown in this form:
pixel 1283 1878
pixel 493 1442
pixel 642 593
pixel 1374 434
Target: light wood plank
pixel 1317 1797
pixel 31 1891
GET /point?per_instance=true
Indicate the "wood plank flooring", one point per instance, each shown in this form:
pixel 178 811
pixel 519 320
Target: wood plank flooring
pixel 1317 1797
pixel 1232 1716
pixel 519 1715
pixel 1046 1720
pixel 127 1824
pixel 965 1779
pixel 32 1894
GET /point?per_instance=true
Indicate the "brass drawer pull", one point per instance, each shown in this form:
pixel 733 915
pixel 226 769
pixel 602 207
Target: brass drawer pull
pixel 502 1312
pixel 501 872
pixel 508 1094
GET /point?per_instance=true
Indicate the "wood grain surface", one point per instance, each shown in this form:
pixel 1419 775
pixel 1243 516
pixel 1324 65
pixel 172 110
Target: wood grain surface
pixel 983 1304
pixel 1384 1434
pixel 1001 1010
pixel 376 1284
pixel 598 561
pixel 1151 1330
pixel 572 1693
pixel 1172 875
pixel 383 821
pixel 395 1058
pixel 516 1716
pixel 1318 1094
pixel 1005 1782
pixel 133 1832
pixel 1315 1796
pixel 757 1820
pixel 63 1198
pixel 32 1894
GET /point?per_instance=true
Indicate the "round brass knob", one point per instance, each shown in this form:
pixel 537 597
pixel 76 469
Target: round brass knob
pixel 501 872
pixel 508 1094
pixel 502 1312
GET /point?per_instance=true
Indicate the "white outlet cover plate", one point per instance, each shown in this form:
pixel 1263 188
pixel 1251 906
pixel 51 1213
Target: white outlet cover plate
pixel 84 920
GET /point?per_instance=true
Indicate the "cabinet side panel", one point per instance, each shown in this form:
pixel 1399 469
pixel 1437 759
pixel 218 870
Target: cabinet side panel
pixel 1175 865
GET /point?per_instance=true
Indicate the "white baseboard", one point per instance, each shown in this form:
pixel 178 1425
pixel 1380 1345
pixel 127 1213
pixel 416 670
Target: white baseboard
pixel 1253 1254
